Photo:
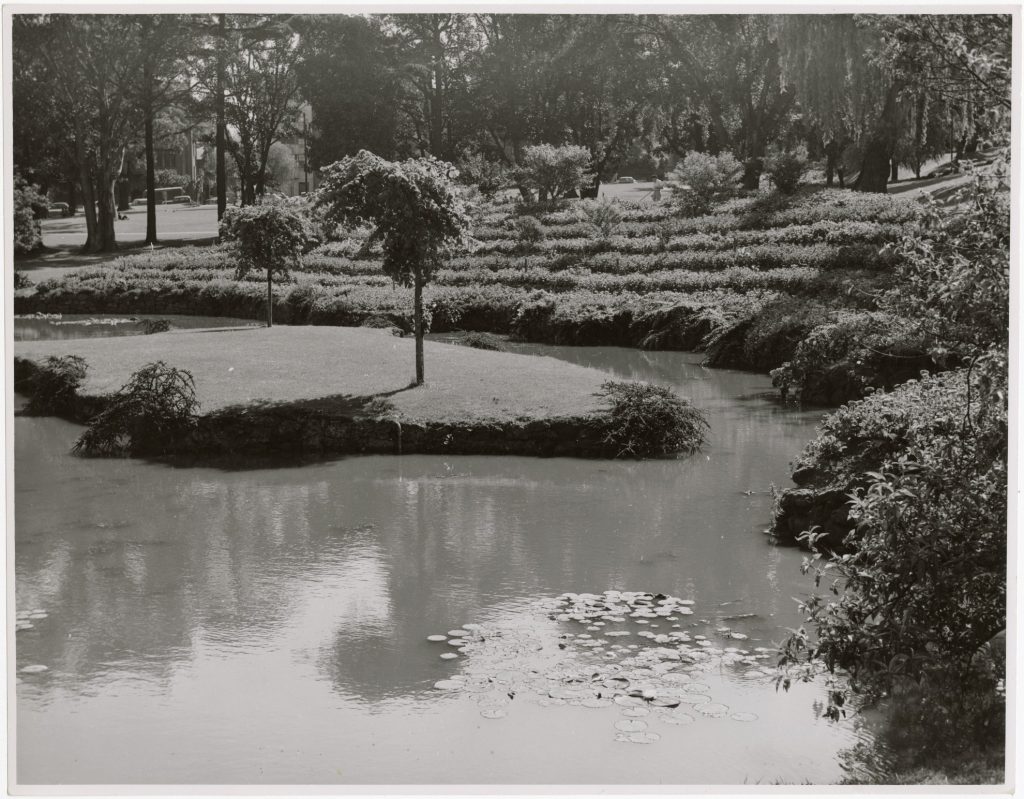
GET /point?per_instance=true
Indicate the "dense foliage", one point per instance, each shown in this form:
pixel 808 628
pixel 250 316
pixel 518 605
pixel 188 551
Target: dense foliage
pixel 55 383
pixel 650 421
pixel 265 238
pixel 700 179
pixel 921 587
pixel 553 171
pixel 785 168
pixel 148 415
pixel 415 212
pixel 29 206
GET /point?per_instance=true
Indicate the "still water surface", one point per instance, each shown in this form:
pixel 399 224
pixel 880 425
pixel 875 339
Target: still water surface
pixel 270 625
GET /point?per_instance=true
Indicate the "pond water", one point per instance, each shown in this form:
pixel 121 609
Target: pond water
pixel 39 327
pixel 270 625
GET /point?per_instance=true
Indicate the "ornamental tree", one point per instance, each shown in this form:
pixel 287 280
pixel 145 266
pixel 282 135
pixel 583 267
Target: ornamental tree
pixel 267 236
pixel 554 171
pixel 413 208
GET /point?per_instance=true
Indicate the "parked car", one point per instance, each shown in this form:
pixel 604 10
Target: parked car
pixel 58 209
pixel 181 199
pixel 626 180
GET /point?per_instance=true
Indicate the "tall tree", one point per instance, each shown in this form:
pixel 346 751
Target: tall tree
pixel 93 62
pixel 348 73
pixel 262 102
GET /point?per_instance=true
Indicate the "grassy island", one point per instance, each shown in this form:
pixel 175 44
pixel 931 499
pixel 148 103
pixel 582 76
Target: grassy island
pixel 304 390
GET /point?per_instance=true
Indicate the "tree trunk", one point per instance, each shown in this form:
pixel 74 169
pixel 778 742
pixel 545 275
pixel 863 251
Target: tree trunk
pixel 875 166
pixel 418 324
pixel 832 153
pixel 752 173
pixel 270 298
pixel 88 198
pixel 107 239
pixel 150 181
pixel 71 197
pixel 894 173
pixel 222 171
pixel 590 192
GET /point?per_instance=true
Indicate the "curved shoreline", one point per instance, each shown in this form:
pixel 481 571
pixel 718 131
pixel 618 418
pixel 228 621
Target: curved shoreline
pixel 350 400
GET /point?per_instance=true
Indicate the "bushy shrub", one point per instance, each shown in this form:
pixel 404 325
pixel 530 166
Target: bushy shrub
pixel 54 384
pixel 150 326
pixel 483 341
pixel 529 232
pixel 487 175
pixel 930 516
pixel 21 280
pixel 554 171
pixel 156 408
pixel 267 237
pixel 28 203
pixel 604 216
pixel 785 168
pixel 700 179
pixel 651 421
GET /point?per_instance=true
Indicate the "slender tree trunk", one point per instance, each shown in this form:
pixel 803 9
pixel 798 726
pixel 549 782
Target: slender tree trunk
pixel 222 171
pixel 107 240
pixel 270 298
pixel 71 196
pixel 150 179
pixel 832 152
pixel 894 173
pixel 88 196
pixel 418 324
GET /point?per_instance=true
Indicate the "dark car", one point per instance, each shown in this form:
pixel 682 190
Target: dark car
pixel 58 209
pixel 181 199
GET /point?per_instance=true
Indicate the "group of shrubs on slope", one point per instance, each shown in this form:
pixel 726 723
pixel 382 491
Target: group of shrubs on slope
pixel 903 501
pixel 697 281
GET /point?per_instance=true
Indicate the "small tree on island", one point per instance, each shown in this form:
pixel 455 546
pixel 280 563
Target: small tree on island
pixel 415 212
pixel 266 236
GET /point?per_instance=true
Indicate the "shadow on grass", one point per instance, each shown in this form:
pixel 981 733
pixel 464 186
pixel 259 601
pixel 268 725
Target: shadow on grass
pixel 71 255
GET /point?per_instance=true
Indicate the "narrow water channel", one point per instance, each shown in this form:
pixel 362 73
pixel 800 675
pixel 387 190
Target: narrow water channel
pixel 270 625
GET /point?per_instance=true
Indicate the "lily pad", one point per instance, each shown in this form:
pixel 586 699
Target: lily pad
pixel 459 633
pixel 449 656
pixel 712 709
pixel 494 712
pixel 677 718
pixel 449 685
pixel 437 638
pixel 635 712
pixel 638 737
pixel 744 717
pixel 596 702
pixel 630 725
pixel 693 699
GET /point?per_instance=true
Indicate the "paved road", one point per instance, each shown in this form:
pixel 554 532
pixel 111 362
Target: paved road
pixel 172 223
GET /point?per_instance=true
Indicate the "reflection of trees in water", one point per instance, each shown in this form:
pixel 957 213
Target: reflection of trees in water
pixel 359 560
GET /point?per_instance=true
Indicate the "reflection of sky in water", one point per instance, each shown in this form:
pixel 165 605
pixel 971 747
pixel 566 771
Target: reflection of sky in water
pixel 269 625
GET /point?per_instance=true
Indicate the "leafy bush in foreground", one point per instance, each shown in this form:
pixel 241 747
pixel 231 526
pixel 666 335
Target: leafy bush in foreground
pixel 651 421
pixel 154 409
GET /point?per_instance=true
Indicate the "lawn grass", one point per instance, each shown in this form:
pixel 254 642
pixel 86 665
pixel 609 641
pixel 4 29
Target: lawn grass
pixel 292 364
